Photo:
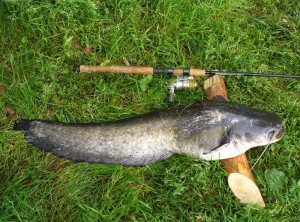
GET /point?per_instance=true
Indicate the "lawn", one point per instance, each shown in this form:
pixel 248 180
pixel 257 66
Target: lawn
pixel 42 40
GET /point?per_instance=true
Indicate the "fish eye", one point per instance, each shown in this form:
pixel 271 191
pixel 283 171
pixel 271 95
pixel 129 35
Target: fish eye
pixel 267 131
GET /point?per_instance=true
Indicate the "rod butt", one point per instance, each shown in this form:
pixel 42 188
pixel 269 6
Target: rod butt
pixel 76 68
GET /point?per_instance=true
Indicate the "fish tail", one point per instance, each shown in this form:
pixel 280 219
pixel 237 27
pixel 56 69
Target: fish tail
pixel 23 124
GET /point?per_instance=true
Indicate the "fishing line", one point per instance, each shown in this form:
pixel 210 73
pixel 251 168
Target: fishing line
pixel 273 132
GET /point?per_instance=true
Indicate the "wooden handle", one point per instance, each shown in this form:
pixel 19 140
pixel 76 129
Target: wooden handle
pixel 139 70
pixel 215 87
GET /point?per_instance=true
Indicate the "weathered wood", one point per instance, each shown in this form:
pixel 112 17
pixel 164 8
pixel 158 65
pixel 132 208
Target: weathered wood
pixel 215 87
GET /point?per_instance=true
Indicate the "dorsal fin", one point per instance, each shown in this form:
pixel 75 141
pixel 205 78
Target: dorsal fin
pixel 220 99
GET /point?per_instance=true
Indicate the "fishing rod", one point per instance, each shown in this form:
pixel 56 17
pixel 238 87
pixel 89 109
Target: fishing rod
pixel 171 71
pixel 185 77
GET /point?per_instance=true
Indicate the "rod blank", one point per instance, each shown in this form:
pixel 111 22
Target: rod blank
pixel 225 73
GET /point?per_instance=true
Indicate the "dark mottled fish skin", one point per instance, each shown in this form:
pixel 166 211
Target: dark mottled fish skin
pixel 207 130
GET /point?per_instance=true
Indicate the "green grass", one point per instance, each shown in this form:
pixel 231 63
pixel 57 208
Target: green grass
pixel 42 40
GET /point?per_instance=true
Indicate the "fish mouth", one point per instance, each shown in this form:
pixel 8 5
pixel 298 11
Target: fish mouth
pixel 280 133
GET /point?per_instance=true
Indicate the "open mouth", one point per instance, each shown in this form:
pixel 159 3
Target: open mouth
pixel 280 134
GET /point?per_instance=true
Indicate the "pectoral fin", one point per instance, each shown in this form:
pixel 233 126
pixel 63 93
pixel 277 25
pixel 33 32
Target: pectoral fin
pixel 201 142
pixel 225 141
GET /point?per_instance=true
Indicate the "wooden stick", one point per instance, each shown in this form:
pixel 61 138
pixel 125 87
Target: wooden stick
pixel 215 87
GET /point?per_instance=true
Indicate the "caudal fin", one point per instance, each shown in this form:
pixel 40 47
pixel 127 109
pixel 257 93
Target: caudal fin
pixel 23 124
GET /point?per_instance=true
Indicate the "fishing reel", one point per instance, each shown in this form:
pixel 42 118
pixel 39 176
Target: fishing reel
pixel 181 82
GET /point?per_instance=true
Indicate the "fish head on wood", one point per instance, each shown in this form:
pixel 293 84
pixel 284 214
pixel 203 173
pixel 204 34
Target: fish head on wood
pixel 245 128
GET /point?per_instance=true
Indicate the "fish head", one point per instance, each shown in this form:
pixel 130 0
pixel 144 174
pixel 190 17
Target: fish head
pixel 245 133
pixel 259 131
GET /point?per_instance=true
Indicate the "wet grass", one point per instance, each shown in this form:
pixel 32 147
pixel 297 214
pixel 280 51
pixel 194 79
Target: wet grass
pixel 42 40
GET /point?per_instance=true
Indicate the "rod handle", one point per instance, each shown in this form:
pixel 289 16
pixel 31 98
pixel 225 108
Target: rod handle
pixel 139 70
pixel 114 69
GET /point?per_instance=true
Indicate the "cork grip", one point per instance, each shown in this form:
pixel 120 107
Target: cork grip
pixel 117 69
pixel 197 72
